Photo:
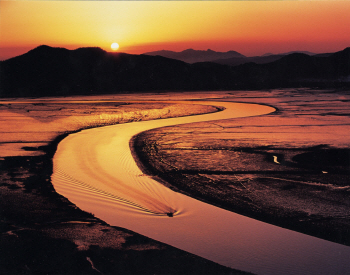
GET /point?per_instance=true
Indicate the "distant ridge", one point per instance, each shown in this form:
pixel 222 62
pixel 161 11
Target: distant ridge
pixel 298 69
pixel 235 61
pixel 287 53
pixel 193 56
pixel 48 71
pixel 263 59
pixel 231 58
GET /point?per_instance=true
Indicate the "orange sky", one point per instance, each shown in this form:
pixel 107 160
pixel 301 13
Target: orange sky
pixel 251 28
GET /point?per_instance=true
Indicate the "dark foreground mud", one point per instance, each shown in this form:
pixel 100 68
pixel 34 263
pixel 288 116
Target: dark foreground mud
pixel 43 233
pixel 290 168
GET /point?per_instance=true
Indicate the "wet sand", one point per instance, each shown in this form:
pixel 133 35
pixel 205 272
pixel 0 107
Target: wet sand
pixel 42 232
pixel 290 168
pixel 30 205
pixel 95 170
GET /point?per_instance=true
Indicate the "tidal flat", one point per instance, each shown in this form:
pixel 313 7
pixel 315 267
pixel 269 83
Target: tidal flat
pixel 43 232
pixel 290 168
pixel 265 163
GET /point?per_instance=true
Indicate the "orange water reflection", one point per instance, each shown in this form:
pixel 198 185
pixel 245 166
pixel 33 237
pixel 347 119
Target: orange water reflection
pixel 34 123
pixel 96 171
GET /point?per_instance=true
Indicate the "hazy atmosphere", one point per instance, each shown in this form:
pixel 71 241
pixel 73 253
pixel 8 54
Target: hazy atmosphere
pixel 251 28
pixel 175 137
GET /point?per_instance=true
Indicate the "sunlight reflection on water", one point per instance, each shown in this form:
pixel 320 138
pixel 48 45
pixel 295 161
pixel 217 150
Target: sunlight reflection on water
pixel 96 171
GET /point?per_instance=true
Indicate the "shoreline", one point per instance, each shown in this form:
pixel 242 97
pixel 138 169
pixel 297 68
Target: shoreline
pixel 340 237
pixel 43 229
pixel 102 148
pixel 86 221
pixel 146 145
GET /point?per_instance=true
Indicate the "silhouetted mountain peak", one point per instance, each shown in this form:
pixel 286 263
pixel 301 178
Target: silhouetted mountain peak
pixel 48 71
pixel 295 57
pixel 193 56
pixel 346 51
pixel 89 52
pixel 40 49
pixel 288 53
pixel 91 49
pixel 45 49
pixel 57 52
pixel 186 51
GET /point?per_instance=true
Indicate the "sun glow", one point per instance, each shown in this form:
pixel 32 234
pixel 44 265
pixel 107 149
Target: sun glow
pixel 142 26
pixel 115 46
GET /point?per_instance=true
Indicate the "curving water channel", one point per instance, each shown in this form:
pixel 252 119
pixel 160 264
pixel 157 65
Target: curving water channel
pixel 96 171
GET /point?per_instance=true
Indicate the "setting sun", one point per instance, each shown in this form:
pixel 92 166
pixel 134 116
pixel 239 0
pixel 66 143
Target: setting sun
pixel 115 46
pixel 142 26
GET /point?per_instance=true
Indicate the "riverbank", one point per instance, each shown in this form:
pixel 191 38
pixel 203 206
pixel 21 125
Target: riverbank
pixel 289 168
pixel 95 169
pixel 42 232
pixel 22 184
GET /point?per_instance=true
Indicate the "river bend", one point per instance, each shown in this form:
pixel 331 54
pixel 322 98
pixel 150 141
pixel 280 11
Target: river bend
pixel 96 171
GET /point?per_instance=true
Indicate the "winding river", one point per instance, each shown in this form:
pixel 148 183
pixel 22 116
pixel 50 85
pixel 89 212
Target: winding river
pixel 96 171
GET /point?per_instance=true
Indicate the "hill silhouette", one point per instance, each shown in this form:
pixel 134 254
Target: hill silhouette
pixel 231 58
pixel 194 56
pixel 48 71
pixel 235 61
pixel 299 69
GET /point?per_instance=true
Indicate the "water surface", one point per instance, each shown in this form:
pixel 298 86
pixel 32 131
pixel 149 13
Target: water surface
pixel 96 171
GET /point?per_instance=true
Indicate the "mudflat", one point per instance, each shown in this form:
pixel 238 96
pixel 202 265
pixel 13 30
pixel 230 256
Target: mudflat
pixel 43 232
pixel 289 168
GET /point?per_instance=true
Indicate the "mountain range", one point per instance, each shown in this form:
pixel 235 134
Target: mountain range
pixel 194 56
pixel 48 71
pixel 231 58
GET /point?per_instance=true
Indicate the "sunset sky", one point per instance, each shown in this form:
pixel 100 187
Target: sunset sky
pixel 249 27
